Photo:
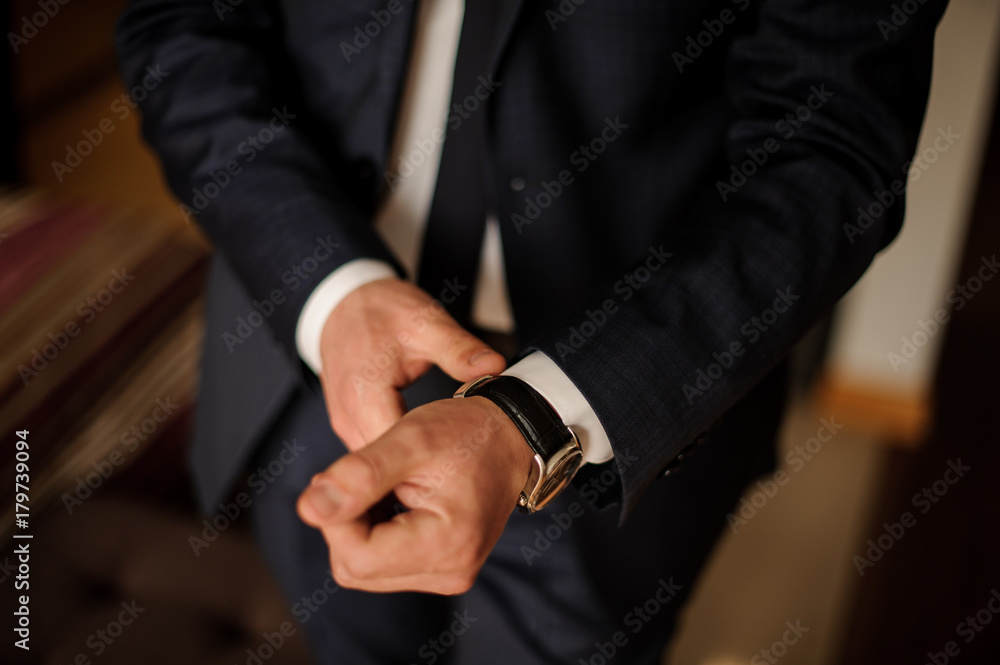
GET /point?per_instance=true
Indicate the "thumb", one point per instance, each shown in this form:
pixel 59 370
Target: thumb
pixel 355 483
pixel 461 355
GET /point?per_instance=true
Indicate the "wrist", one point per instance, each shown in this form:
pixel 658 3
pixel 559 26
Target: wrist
pixel 555 450
pixel 356 300
pixel 507 441
pixel 325 298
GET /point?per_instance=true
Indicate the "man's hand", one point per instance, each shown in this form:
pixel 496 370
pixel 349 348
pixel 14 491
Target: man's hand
pixel 380 339
pixel 457 464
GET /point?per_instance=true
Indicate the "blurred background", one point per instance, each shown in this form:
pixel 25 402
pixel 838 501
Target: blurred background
pixel 100 335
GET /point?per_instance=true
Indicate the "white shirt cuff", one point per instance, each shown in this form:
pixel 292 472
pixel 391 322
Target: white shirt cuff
pixel 542 374
pixel 327 295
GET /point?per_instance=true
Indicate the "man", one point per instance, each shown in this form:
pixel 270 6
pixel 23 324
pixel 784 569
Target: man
pixel 671 183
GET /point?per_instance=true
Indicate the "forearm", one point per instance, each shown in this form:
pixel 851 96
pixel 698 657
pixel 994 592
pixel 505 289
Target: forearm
pixel 240 152
pixel 754 265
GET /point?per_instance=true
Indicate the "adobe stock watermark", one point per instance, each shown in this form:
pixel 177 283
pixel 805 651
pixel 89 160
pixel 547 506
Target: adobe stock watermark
pixel 122 107
pixel 958 296
pixel 307 606
pixel 714 28
pixel 464 450
pixel 418 321
pixel 565 9
pixel 7 569
pixel 87 310
pixel 38 20
pixel 270 644
pixel 436 647
pixel 581 158
pixel 130 439
pixel 259 481
pixel 752 330
pixel 248 149
pixel 297 275
pixel 626 287
pixel 372 29
pixel 636 619
pixel 22 615
pixel 901 13
pixel 425 147
pixel 101 639
pixel 923 500
pixel 772 654
pixel 786 127
pixel 554 523
pixel 796 460
pixel 223 7
pixel 968 628
pixel 912 171
pixel 561 522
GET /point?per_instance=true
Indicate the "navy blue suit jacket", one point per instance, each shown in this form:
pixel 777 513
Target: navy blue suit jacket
pixel 737 136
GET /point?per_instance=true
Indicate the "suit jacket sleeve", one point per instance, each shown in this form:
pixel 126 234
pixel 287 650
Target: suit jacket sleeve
pixel 786 237
pixel 239 151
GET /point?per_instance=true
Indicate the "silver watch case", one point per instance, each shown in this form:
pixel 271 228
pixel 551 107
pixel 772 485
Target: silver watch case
pixel 547 477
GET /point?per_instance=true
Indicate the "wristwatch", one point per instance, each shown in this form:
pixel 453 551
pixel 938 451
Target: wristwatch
pixel 558 455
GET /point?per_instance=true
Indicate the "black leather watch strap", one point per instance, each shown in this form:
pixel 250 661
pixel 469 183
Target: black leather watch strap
pixel 558 455
pixel 537 420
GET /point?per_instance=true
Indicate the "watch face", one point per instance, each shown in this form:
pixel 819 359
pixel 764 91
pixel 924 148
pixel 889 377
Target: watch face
pixel 559 472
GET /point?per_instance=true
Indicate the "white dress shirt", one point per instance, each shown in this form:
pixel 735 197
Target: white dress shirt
pixel 402 218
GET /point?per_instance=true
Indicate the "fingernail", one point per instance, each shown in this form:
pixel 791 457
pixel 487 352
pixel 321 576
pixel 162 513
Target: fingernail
pixel 474 360
pixel 324 498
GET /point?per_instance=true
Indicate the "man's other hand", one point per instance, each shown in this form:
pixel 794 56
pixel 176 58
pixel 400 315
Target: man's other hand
pixel 458 465
pixel 378 340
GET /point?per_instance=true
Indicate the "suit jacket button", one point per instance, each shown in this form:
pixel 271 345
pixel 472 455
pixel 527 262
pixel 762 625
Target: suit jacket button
pixel 685 452
pixel 670 468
